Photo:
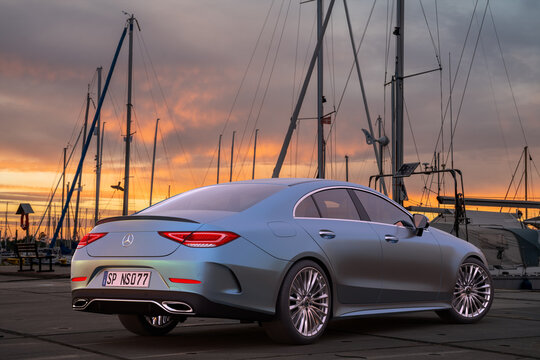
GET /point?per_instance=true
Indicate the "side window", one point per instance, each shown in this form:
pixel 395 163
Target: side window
pixel 336 204
pixel 381 210
pixel 307 208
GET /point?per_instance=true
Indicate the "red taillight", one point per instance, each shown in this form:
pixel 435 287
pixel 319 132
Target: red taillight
pixel 201 239
pixel 90 238
pixel 80 278
pixel 184 281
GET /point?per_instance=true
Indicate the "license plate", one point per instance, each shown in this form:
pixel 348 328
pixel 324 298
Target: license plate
pixel 140 279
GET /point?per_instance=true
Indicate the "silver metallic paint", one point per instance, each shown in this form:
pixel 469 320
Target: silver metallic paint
pixel 247 273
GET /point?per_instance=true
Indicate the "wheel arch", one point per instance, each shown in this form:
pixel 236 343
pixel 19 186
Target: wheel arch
pixel 473 257
pixel 458 262
pixel 324 267
pixel 478 256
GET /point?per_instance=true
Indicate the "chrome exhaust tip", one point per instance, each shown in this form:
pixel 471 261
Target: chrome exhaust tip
pixel 177 307
pixel 80 304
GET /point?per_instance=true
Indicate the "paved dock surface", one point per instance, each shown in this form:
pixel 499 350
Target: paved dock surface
pixel 36 322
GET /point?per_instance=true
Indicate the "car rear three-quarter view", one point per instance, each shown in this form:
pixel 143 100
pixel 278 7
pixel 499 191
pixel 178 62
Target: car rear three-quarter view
pixel 289 253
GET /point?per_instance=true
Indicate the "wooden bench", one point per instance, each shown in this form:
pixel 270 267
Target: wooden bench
pixel 30 251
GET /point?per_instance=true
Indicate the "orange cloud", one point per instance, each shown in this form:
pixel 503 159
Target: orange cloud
pixel 12 66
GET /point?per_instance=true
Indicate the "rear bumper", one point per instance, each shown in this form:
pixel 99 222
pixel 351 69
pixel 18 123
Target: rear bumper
pixel 152 302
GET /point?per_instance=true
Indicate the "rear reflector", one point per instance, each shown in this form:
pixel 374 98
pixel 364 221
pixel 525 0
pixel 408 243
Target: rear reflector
pixel 184 281
pixel 81 278
pixel 200 239
pixel 90 238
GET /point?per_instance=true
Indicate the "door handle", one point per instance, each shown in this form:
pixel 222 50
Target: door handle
pixel 327 234
pixel 391 239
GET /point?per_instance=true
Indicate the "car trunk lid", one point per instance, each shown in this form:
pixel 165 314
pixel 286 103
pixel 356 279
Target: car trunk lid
pixel 137 236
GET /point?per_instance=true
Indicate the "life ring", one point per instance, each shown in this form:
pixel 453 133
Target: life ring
pixel 24 221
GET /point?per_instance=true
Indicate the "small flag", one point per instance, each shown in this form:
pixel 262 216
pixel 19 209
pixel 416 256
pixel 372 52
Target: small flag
pixel 327 120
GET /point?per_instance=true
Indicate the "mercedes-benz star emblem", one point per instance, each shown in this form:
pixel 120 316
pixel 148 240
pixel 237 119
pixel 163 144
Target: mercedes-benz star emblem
pixel 128 239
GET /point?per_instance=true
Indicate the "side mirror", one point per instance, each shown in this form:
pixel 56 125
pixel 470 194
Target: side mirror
pixel 421 222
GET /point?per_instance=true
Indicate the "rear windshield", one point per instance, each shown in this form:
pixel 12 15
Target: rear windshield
pixel 226 197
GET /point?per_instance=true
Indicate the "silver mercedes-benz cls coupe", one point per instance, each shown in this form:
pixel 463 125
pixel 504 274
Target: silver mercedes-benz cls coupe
pixel 289 253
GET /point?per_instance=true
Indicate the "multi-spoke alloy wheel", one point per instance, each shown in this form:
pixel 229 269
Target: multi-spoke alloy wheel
pixel 303 307
pixel 473 293
pixel 308 298
pixel 149 325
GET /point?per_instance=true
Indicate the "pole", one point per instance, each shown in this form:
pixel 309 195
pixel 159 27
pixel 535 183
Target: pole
pixel 526 150
pixel 55 222
pixel 68 219
pixel 76 218
pixel 254 154
pixel 320 95
pixel 451 115
pixel 98 151
pixel 296 112
pixel 128 118
pixel 364 98
pixel 153 163
pixel 63 190
pixel 438 167
pixel 398 140
pixel 232 154
pixel 346 167
pixel 218 157
pixel 89 138
pixel 100 165
pixel 55 219
pixel 49 224
pixel 5 229
pixel 28 233
pixel 381 171
pixel 393 113
pixel 101 149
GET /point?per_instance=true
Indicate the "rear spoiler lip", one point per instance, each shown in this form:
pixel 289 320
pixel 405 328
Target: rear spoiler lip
pixel 144 217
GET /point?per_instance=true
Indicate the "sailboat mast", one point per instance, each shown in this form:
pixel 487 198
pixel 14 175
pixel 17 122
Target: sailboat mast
pixel 218 157
pixel 153 162
pixel 382 185
pixel 346 167
pixel 254 154
pixel 76 218
pixel 63 190
pixel 88 139
pixel 298 106
pixel 101 146
pixel 128 118
pixel 68 219
pixel 377 146
pixel 49 223
pixel 232 155
pixel 526 149
pixel 6 224
pixel 451 115
pixel 320 94
pixel 397 158
pixel 98 151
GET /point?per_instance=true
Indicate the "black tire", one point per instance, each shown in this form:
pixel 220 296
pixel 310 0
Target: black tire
pixel 148 325
pixel 473 294
pixel 303 306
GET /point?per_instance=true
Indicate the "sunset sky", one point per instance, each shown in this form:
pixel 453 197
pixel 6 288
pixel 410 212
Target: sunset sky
pixel 207 68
